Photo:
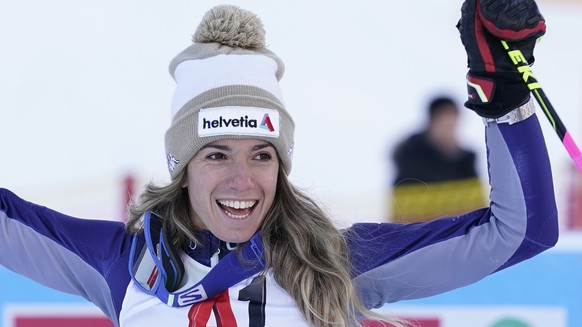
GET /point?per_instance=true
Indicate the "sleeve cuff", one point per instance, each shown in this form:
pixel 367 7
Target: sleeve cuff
pixel 514 116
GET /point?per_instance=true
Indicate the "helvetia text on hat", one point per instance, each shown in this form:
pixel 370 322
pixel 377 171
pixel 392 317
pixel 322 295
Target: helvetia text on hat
pixel 232 122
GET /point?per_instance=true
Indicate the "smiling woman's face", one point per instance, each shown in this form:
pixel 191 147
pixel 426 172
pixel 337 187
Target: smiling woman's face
pixel 231 186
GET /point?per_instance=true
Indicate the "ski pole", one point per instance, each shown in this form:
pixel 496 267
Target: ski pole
pixel 534 86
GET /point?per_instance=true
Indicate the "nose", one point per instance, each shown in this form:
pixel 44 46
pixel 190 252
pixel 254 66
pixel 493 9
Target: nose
pixel 241 176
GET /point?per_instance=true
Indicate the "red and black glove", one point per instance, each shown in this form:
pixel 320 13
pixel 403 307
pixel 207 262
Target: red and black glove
pixel 494 85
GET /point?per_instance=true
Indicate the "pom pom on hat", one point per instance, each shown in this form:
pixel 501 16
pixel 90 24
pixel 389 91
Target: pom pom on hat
pixel 227 86
pixel 232 26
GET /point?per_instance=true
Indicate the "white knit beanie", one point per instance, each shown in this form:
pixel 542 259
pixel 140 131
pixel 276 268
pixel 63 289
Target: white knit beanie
pixel 227 86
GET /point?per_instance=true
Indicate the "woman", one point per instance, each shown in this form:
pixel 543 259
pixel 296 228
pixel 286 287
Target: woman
pixel 230 242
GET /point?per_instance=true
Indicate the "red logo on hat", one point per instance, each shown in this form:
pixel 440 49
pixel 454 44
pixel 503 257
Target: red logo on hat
pixel 266 123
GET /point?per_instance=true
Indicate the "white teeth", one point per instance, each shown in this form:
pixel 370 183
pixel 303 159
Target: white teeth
pixel 240 205
pixel 233 216
pixel 237 204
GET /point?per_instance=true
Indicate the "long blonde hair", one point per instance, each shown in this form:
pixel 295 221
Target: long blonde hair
pixel 308 255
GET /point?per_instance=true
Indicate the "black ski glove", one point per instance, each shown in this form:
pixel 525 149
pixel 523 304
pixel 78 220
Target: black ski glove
pixel 494 85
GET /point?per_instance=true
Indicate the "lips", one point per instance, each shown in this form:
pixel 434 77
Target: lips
pixel 236 209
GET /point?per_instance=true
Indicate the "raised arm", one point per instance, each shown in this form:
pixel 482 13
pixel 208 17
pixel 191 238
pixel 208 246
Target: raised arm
pixel 394 262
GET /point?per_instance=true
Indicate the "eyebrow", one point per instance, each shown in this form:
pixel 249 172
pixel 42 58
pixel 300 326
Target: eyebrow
pixel 262 146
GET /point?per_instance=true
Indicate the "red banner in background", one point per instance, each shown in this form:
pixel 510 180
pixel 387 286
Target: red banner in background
pixel 65 321
pixel 54 315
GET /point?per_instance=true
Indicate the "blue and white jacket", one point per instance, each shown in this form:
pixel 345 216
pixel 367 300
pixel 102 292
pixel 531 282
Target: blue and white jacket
pixel 391 262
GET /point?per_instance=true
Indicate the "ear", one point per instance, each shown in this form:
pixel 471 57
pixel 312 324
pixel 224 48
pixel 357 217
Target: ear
pixel 184 177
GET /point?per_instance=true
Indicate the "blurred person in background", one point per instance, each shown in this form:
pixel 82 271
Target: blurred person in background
pixel 435 175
